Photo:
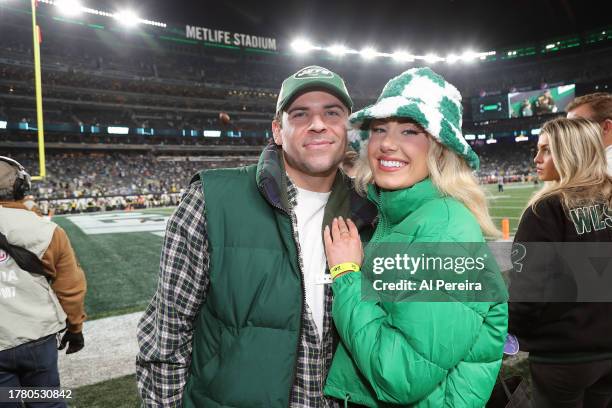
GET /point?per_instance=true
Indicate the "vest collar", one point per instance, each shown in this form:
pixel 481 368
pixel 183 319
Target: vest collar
pixel 396 205
pixel 273 182
pixel 271 177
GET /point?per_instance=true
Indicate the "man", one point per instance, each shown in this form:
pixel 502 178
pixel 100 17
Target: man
pixel 242 313
pixel 526 108
pixel 500 183
pixel 42 290
pixel 596 107
pixel 545 104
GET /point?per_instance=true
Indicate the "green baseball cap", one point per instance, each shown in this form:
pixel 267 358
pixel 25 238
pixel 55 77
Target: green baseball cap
pixel 312 77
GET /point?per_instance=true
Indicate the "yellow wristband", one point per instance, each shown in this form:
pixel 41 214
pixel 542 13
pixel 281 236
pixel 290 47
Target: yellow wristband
pixel 343 267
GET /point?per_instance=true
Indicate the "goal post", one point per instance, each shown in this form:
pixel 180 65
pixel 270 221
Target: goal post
pixel 36 38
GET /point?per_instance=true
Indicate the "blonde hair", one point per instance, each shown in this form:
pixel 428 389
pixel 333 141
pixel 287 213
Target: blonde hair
pixel 578 155
pixel 450 174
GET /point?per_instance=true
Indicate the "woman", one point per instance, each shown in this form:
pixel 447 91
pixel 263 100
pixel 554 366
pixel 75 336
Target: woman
pixel 569 344
pixel 417 169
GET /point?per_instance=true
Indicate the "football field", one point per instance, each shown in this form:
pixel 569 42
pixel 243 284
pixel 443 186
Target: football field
pixel 509 204
pixel 119 251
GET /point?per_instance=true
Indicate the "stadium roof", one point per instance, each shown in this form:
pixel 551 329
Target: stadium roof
pixel 420 25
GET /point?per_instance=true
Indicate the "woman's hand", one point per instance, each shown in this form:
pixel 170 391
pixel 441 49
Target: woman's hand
pixel 342 243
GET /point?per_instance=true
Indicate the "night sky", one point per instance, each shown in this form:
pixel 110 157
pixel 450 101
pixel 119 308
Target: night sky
pixel 418 26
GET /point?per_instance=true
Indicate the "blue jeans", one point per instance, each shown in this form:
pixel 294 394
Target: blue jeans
pixel 32 364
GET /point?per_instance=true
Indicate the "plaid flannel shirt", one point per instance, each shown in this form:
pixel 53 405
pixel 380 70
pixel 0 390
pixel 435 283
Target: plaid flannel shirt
pixel 166 328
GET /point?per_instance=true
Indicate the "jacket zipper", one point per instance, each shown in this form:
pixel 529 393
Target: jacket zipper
pixel 382 229
pixel 302 313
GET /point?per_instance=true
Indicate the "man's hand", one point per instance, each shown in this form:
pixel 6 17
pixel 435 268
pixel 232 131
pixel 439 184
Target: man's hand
pixel 342 243
pixel 75 342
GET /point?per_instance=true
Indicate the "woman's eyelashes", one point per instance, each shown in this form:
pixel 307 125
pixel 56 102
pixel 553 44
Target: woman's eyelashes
pixel 410 132
pixel 379 130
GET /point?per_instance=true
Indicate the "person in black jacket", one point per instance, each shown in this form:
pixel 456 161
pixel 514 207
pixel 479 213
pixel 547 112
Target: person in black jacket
pixel 569 341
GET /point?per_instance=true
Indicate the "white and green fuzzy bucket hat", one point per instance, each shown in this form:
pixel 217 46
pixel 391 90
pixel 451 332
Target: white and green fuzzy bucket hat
pixel 425 97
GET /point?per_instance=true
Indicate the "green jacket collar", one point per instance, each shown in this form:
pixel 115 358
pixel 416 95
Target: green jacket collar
pixel 395 205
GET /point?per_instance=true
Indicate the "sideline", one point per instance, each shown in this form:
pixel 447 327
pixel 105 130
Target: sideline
pixel 110 352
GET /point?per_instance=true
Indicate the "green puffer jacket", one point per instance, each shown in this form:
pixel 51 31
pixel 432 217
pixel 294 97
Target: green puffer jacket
pixel 417 354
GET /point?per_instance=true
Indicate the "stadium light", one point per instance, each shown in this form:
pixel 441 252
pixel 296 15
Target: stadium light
pixel 117 130
pixel 337 50
pixel 521 138
pixel 69 7
pixel 402 56
pixel 491 141
pixel 469 56
pixel 118 15
pixel 302 46
pixel 368 53
pixel 3 124
pixel 451 58
pixel 127 17
pixel 432 58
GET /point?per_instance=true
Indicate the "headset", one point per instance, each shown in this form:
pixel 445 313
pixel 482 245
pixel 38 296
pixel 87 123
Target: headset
pixel 23 182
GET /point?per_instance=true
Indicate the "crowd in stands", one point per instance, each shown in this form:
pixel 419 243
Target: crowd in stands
pixel 87 99
pixel 97 204
pixel 73 175
pixel 93 181
pixel 78 182
pixel 513 161
pixel 147 142
pixel 105 78
pixel 128 82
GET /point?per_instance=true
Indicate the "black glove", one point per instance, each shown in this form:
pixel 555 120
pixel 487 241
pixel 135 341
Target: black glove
pixel 75 340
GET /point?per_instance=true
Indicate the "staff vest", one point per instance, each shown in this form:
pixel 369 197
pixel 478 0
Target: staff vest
pixel 29 308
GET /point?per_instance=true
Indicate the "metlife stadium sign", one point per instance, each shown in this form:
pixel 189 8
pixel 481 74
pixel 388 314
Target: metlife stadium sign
pixel 230 38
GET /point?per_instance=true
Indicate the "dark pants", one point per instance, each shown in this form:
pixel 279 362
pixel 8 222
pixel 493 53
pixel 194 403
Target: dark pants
pixel 587 385
pixel 32 364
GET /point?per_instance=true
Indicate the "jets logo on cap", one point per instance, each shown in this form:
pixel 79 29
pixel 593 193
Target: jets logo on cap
pixel 3 256
pixel 313 72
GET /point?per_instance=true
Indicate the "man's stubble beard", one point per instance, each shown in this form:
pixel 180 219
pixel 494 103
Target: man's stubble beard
pixel 306 169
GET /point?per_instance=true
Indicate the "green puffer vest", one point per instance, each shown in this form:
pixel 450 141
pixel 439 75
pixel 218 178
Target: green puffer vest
pixel 246 334
pixel 417 354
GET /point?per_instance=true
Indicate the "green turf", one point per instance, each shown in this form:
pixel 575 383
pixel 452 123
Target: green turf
pixel 122 392
pixel 116 393
pixel 121 269
pixel 509 204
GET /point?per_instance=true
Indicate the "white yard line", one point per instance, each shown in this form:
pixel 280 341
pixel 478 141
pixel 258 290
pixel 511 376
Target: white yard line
pixel 110 352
